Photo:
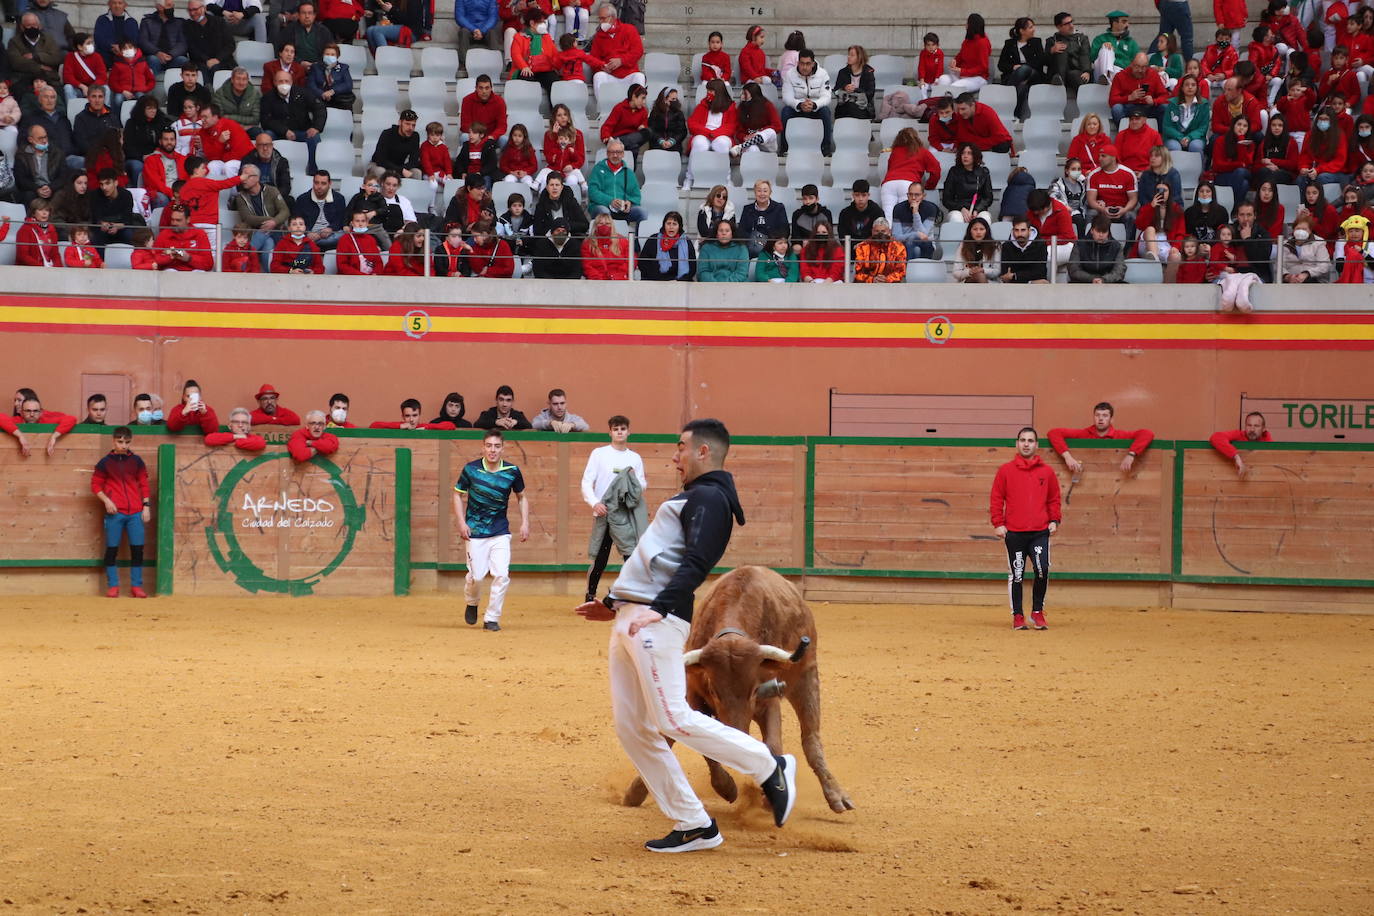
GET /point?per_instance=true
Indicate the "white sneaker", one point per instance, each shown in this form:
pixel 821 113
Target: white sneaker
pixel 686 185
pixel 736 150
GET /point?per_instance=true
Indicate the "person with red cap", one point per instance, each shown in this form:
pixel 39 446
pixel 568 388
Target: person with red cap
pixel 1101 429
pixel 270 413
pixel 312 439
pixel 1111 189
pixel 240 434
pixel 1254 431
pixel 1025 512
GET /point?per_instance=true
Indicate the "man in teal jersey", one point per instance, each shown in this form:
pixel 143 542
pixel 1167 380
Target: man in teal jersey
pixel 486 485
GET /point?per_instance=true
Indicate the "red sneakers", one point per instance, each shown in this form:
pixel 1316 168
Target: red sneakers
pixel 1037 618
pixel 1018 622
pixel 113 593
pixel 140 593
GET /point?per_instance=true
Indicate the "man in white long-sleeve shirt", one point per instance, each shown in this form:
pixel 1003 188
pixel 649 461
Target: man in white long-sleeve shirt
pixel 602 466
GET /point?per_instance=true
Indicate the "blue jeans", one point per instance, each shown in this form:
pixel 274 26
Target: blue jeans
pixel 156 65
pixel 1194 146
pixel 379 35
pixel 1176 16
pixel 263 243
pixel 1238 181
pixel 1324 178
pixel 827 119
pixel 635 214
pixel 116 526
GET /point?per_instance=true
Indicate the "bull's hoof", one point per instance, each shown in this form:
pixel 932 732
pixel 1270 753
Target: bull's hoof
pixel 635 794
pixel 725 786
pixel 839 802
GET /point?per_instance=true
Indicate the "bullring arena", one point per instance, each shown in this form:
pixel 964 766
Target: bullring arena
pixel 299 721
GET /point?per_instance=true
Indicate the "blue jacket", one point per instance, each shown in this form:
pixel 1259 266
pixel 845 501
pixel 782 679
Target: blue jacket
pixel 475 15
pixel 334 211
pixel 343 79
pixel 107 33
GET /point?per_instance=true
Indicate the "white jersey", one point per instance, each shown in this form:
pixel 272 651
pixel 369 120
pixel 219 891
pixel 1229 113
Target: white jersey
pixel 602 466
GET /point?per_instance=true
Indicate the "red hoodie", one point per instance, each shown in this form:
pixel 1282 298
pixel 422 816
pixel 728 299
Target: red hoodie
pixel 284 416
pixel 1025 495
pixel 124 479
pixel 492 113
pixel 64 422
pixel 302 447
pixel 1140 438
pixel 84 70
pixel 177 420
pixel 559 157
pixel 729 118
pixel 132 77
pixel 1221 441
pixel 984 130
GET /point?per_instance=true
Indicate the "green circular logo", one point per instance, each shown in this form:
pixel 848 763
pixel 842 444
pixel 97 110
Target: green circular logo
pixel 228 551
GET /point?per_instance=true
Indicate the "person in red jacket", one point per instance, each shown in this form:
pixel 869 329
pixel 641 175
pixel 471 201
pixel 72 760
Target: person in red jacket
pixel 296 252
pixel 80 252
pixel 1325 151
pixel 753 60
pixel 971 70
pixel 436 162
pixel 1052 221
pixel 1220 59
pixel 36 243
pixel 406 256
pixel 533 52
pixel 572 60
pixel 1254 431
pixel 240 257
pixel 1338 77
pixel 908 161
pixel 628 120
pixel 182 246
pixel 488 255
pixel 1233 157
pixel 977 123
pixel 240 434
pixel 83 68
pixel 1025 513
pixel 162 168
pixel 410 419
pixel 224 141
pixel 358 253
pixel 143 257
pixel 619 45
pixel 485 106
pixel 130 75
pixel 271 413
pixel 31 411
pixel 518 161
pixel 1296 108
pixel 312 439
pixel 1101 429
pixel 715 63
pixel 1138 86
pixel 1231 104
pixel 200 194
pixel 120 481
pixel 605 255
pixel 192 411
pixel 1136 139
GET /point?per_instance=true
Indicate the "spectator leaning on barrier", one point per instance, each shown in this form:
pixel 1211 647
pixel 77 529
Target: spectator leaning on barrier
pixel 668 254
pixel 31 411
pixel 556 417
pixel 147 410
pixel 192 411
pixel 240 434
pixel 1024 257
pixel 312 439
pixel 453 411
pixel 1102 428
pixel 606 254
pixel 556 254
pixel 503 414
pixel 410 419
pixel 120 481
pixel 1254 431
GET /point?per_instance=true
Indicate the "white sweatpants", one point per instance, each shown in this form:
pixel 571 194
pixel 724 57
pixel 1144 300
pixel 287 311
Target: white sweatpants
pixel 649 702
pixel 220 169
pixel 488 556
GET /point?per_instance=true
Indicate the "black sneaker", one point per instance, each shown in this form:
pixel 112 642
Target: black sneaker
pixel 470 615
pixel 781 788
pixel 707 837
pixel 591 596
pixel 492 625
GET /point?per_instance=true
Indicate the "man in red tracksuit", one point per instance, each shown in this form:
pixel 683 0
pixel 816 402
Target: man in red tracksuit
pixel 1024 508
pixel 311 439
pixel 1254 431
pixel 1101 429
pixel 31 411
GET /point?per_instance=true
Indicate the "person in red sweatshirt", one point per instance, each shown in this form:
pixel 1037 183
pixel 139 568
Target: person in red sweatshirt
pixel 240 434
pixel 572 60
pixel 143 257
pixel 488 255
pixel 200 193
pixel 296 252
pixel 120 482
pixel 312 439
pixel 130 75
pixel 358 253
pixel 410 419
pixel 1136 139
pixel 162 168
pixel 1219 60
pixel 224 142
pixel 31 411
pixel 1338 77
pixel 270 412
pixel 83 67
pixel 715 63
pixel 240 257
pixel 1024 508
pixel 1231 104
pixel 977 123
pixel 1101 429
pixel 80 252
pixel 436 162
pixel 192 411
pixel 36 243
pixel 182 246
pixel 1138 86
pixel 484 106
pixel 629 119
pixel 1254 431
pixel 619 45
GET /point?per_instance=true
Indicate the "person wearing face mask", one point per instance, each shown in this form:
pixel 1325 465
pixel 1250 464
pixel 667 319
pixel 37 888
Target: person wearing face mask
pixel 667 124
pixel 39 170
pixel 295 252
pixel 556 255
pixel 1324 153
pixel 338 412
pixel 36 244
pixel 605 254
pixel 130 74
pixel 358 254
pixel 147 410
pixel 1071 189
pixel 1306 259
pixel 943 131
pixel 1219 59
pixel 162 37
pixel 1361 144
pixel 331 81
pixel 83 68
pixel 33 55
pixel 619 45
pixel 881 259
pixel 113 28
pixel 1205 216
pixel 533 52
pixel 209 45
pixel 291 113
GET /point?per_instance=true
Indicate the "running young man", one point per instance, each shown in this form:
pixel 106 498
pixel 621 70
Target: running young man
pixel 1025 513
pixel 120 481
pixel 487 484
pixel 604 466
pixel 651 603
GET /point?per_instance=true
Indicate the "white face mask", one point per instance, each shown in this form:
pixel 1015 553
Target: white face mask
pixel 542 28
pixel 1075 174
pixel 358 229
pixel 128 53
pixel 605 26
pixel 1301 235
pixel 88 49
pixel 284 90
pixel 330 60
pixel 298 235
pixel 339 414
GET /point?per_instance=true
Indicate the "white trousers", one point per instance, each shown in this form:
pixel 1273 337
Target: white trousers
pixel 892 193
pixel 649 702
pixel 602 77
pixel 220 169
pixel 1104 66
pixel 488 556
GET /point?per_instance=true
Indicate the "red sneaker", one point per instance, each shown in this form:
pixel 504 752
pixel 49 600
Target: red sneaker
pixel 113 593
pixel 1018 622
pixel 140 593
pixel 1037 618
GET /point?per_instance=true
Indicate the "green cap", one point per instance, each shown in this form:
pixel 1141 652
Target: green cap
pixel 1117 14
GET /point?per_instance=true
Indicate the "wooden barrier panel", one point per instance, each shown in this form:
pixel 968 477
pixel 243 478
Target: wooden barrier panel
pixel 1295 515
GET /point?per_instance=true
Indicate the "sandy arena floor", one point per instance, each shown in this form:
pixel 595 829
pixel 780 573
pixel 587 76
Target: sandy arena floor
pixel 348 757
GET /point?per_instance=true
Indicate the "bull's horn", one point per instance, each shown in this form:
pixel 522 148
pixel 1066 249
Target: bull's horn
pixel 691 658
pixel 770 689
pixel 774 654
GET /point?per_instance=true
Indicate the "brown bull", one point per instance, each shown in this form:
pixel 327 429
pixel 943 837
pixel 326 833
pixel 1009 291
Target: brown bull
pixel 752 640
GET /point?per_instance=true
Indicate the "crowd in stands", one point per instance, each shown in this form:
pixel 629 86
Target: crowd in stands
pixel 1222 164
